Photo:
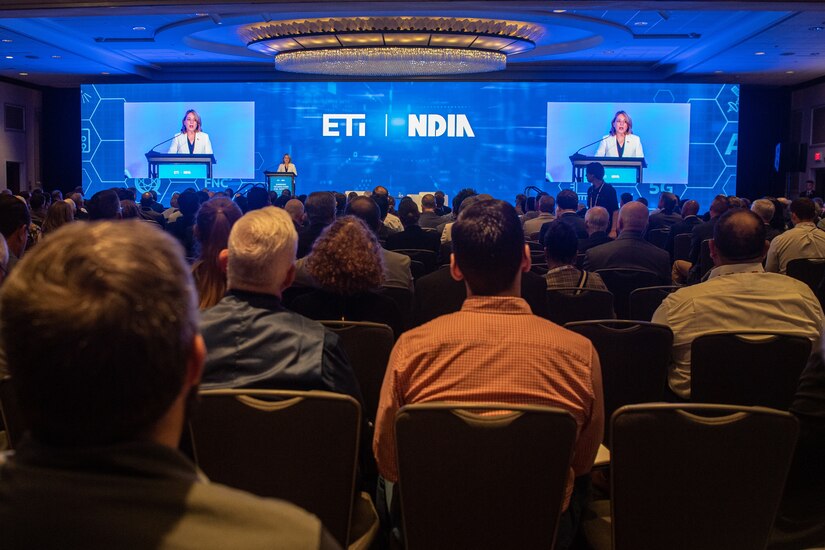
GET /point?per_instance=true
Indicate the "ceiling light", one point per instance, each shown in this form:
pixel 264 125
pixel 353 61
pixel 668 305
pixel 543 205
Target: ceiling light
pixel 759 53
pixel 23 74
pixel 138 28
pixel 559 11
pixel 391 46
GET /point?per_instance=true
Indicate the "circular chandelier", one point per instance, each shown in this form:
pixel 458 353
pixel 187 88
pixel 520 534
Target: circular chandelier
pixel 391 46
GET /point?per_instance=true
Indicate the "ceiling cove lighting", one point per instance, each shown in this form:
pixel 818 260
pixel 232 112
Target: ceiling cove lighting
pixel 391 46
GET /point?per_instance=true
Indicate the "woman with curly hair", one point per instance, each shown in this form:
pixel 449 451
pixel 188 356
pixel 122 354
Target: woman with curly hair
pixel 346 263
pixel 58 214
pixel 213 222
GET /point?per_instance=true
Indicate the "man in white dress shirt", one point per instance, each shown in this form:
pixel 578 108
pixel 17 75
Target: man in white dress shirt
pixel 738 295
pixel 805 240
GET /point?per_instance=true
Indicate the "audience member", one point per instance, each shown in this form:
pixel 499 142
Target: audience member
pixel 100 468
pixel 148 210
pixel 258 197
pixel 413 237
pixel 104 205
pixel 690 219
pixel 765 210
pixel 212 226
pixel 320 209
pixel 346 264
pixel 4 263
pixel 804 240
pixel 566 204
pixel 173 212
pixel 667 216
pixel 129 210
pixel 643 200
pixel 59 214
pixel 183 227
pixel 624 199
pixel 560 247
pixel 596 220
pixel 810 190
pixel 80 212
pixel 440 208
pixel 630 250
pixel 14 225
pixel 429 219
pixel 252 340
pixel 689 271
pixel 390 220
pixel 295 209
pixel 738 295
pixel 445 228
pixel 38 207
pixel 546 207
pixel 530 361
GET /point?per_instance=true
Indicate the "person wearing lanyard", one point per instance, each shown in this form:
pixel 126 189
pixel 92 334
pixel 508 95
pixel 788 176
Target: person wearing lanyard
pixel 602 194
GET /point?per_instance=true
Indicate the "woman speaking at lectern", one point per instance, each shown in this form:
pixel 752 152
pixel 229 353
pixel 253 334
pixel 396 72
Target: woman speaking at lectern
pixel 287 166
pixel 621 141
pixel 191 140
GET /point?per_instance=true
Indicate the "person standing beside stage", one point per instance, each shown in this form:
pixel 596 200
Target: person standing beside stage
pixel 602 194
pixel 192 139
pixel 287 166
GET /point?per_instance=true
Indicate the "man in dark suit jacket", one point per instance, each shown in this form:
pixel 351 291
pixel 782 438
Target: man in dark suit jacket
pixel 666 217
pixel 688 271
pixel 429 219
pixel 689 220
pixel 567 203
pixel 413 236
pixel 596 220
pixel 630 250
pixel 320 209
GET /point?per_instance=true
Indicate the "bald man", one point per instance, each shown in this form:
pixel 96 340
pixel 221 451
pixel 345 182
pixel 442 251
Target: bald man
pixel 690 219
pixel 295 209
pixel 630 250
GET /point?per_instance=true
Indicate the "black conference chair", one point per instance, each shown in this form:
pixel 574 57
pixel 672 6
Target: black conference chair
pixel 539 268
pixel 810 271
pixel 645 301
pixel 634 356
pixel 535 246
pixel 565 305
pixel 747 368
pixel 622 281
pixel 417 269
pixel 697 476
pixel 705 261
pixel 658 237
pixel 427 258
pixel 458 468
pixel 10 410
pixel 681 246
pixel 403 298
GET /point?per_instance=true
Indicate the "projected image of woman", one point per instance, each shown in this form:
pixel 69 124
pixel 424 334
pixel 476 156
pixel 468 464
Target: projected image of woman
pixel 287 166
pixel 192 139
pixel 621 141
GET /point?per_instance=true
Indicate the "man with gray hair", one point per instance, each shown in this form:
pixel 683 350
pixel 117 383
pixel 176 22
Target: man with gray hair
pixel 765 210
pixel 295 209
pixel 546 207
pixel 253 341
pixel 596 219
pixel 630 250
pixel 99 467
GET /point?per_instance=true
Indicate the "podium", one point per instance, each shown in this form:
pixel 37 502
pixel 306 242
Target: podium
pixel 180 166
pixel 278 181
pixel 616 169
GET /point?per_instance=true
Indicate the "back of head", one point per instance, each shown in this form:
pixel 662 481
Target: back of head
pixel 596 170
pixel 439 198
pixel 560 242
pixel 383 205
pixel 188 203
pixel 488 243
pixel 567 200
pixel 669 202
pixel 597 218
pixel 262 247
pixel 256 198
pixel 739 236
pixel 459 198
pixel 320 207
pixel 212 226
pixel 13 214
pixel 147 200
pixel 59 213
pixel 346 259
pixel 804 209
pixel 37 201
pixel 764 209
pixel 633 217
pixel 380 190
pixel 295 209
pixel 86 287
pixel 366 209
pixel 547 204
pixel 408 213
pixel 105 205
pixel 428 202
pixel 128 209
pixel 625 198
pixel 719 206
pixel 690 208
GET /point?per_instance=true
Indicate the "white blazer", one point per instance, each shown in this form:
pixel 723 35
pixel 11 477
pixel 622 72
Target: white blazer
pixel 180 145
pixel 632 147
pixel 290 168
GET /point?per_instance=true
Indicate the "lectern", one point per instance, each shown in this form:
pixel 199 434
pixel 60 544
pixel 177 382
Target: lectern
pixel 180 166
pixel 616 169
pixel 278 181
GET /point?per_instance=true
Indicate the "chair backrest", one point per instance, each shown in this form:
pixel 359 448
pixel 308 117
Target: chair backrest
pixel 368 347
pixel 681 246
pixel 697 476
pixel 634 356
pixel 565 305
pixel 539 268
pixel 427 257
pixel 645 301
pixel 10 409
pixel 534 244
pixel 622 281
pixel 417 269
pixel 747 368
pixel 403 299
pixel 472 479
pixel 810 271
pixel 537 257
pixel 705 261
pixel 658 237
pixel 298 446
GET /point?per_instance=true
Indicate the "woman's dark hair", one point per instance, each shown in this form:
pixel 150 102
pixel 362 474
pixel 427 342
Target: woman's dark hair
pixel 560 242
pixel 212 226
